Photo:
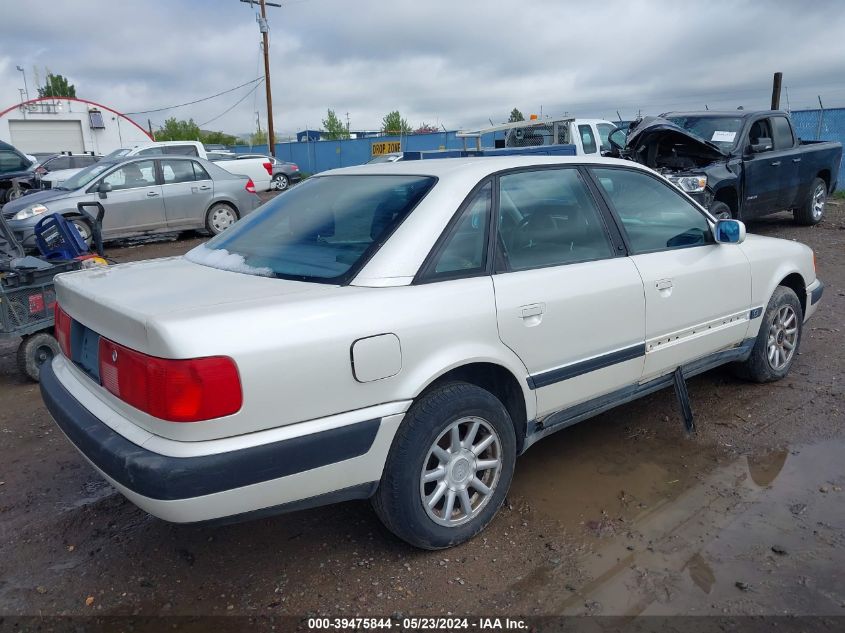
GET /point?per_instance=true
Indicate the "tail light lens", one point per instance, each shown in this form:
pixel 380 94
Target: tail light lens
pixel 250 186
pixel 62 330
pixel 294 166
pixel 269 167
pixel 174 390
pixel 40 171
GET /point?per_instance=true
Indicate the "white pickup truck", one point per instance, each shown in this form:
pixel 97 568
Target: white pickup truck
pixel 589 136
pixel 259 169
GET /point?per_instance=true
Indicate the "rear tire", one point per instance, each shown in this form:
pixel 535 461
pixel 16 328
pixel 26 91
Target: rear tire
pixel 427 459
pixel 777 341
pixel 279 182
pixel 220 217
pixel 34 351
pixel 812 211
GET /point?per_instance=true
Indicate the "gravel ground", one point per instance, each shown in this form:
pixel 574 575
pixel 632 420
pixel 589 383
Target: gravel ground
pixel 622 515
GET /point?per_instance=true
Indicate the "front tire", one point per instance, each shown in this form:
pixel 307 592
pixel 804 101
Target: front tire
pixel 84 227
pixel 812 211
pixel 777 341
pixel 220 217
pixel 449 468
pixel 721 211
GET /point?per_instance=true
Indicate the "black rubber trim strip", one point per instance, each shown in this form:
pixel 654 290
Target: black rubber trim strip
pixel 816 295
pixel 592 364
pixel 167 478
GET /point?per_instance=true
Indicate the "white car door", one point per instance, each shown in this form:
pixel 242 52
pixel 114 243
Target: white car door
pixel 569 303
pixel 697 292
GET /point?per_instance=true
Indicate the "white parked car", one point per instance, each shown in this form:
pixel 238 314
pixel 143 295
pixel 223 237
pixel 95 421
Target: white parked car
pixel 404 331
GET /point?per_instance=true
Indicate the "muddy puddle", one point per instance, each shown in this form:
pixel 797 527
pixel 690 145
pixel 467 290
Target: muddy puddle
pixel 676 528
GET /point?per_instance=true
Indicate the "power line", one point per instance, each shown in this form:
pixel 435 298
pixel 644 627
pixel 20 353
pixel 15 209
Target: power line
pixel 233 106
pixel 198 100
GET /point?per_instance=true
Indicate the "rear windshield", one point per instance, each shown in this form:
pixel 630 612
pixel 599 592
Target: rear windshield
pixel 321 230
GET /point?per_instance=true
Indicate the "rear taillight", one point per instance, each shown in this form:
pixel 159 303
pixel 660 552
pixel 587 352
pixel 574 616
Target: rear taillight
pixel 40 171
pixel 269 167
pixel 174 390
pixel 294 166
pixel 62 330
pixel 250 186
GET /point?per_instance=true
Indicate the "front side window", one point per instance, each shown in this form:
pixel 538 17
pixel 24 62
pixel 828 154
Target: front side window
pixel 321 230
pixel 547 218
pixel 655 216
pixel 465 250
pixel 588 139
pixel 605 130
pixel 175 171
pixel 10 161
pixel 132 175
pixel 782 133
pixel 759 131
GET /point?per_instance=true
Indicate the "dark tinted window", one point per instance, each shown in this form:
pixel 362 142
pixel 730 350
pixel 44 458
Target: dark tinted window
pixel 150 151
pixel 466 246
pixel 782 133
pixel 181 150
pixel 588 139
pixel 759 130
pixel 199 171
pixel 319 230
pixel 655 216
pixel 547 218
pixel 177 171
pixel 57 163
pixel 11 161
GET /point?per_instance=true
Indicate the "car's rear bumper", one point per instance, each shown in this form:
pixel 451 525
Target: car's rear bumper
pixel 331 464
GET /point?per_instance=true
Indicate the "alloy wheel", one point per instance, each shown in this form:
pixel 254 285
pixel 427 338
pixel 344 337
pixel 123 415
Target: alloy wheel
pixel 461 471
pixel 819 199
pixel 783 337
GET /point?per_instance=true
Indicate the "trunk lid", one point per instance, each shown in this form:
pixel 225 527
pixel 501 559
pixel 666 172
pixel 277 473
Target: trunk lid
pixel 123 302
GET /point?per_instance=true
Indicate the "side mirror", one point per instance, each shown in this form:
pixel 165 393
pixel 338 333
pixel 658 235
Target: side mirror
pixel 103 189
pixel 729 232
pixel 762 145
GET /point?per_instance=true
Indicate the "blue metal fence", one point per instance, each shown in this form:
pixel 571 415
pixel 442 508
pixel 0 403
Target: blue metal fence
pixel 314 157
pixel 824 125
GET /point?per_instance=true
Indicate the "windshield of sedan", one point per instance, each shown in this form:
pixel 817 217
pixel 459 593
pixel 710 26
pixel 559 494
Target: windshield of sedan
pixel 321 230
pixel 721 131
pixel 82 178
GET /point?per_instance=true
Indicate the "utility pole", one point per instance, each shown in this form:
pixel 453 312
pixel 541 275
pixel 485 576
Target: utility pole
pixel 265 36
pixel 776 82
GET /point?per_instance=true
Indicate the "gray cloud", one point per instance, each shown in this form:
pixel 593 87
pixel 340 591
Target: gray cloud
pixel 459 63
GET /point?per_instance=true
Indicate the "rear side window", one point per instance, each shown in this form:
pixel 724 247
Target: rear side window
pixel 655 216
pixel 782 133
pixel 175 171
pixel 547 218
pixel 465 250
pixel 199 171
pixel 588 139
pixel 321 230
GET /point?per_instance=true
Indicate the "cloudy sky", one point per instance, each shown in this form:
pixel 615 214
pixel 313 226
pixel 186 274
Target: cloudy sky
pixel 455 63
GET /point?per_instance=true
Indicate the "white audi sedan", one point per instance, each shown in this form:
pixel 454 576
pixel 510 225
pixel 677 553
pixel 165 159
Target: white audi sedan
pixel 403 331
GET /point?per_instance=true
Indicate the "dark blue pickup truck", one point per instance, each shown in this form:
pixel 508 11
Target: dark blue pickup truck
pixel 738 164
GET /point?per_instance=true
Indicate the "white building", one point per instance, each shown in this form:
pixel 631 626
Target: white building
pixel 68 124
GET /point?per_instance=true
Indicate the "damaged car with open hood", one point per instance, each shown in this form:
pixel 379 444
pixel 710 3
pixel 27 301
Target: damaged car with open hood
pixel 737 164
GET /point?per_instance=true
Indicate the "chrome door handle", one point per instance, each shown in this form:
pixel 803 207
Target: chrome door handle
pixel 775 164
pixel 151 194
pixel 205 188
pixel 796 160
pixel 532 311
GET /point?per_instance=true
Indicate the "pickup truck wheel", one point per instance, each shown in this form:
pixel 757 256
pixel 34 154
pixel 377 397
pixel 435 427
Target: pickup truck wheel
pixel 721 211
pixel 280 182
pixel 778 339
pixel 220 217
pixel 449 468
pixel 35 351
pixel 812 211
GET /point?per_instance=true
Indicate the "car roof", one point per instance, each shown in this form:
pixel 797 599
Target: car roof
pixel 738 114
pixel 473 167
